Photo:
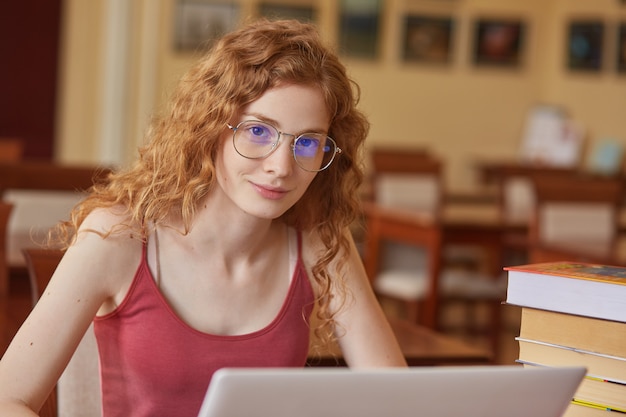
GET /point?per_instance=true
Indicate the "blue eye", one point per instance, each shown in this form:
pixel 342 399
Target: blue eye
pixel 258 130
pixel 307 147
pixel 260 134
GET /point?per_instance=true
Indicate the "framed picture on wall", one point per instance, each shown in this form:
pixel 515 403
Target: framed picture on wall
pixel 428 39
pixel 280 11
pixel 498 42
pixel 585 40
pixel 200 22
pixel 621 48
pixel 359 27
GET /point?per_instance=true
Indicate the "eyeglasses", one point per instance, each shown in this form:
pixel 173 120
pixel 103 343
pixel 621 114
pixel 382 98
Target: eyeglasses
pixel 312 152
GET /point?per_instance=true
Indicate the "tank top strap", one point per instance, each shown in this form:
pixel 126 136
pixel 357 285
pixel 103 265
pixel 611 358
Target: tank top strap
pixel 144 255
pixel 144 250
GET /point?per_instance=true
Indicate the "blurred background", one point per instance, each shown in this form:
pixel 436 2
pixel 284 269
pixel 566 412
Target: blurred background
pixel 80 79
pixel 469 101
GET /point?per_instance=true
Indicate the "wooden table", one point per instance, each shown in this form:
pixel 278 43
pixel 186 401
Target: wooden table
pixel 421 347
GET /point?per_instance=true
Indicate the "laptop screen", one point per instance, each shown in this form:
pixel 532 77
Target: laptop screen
pixel 470 391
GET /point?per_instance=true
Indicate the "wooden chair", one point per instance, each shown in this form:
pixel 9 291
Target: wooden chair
pixel 78 390
pixel 403 237
pixel 576 218
pixel 516 202
pixel 407 178
pixel 400 234
pixel 404 257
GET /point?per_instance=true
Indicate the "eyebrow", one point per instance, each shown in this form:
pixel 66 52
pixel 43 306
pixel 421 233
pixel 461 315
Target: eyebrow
pixel 274 122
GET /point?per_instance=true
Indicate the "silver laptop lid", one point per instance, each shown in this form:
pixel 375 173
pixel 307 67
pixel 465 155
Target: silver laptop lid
pixel 470 391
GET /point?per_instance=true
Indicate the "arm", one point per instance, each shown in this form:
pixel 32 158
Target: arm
pixel 46 341
pixel 364 334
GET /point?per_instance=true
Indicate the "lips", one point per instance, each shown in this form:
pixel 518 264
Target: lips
pixel 269 192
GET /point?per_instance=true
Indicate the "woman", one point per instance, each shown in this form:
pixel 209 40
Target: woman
pixel 212 250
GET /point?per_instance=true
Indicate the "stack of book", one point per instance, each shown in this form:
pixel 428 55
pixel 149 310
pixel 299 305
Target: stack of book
pixel 575 314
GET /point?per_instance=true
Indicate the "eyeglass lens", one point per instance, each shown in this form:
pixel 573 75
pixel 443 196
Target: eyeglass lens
pixel 311 151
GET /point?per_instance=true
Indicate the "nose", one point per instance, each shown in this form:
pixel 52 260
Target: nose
pixel 281 161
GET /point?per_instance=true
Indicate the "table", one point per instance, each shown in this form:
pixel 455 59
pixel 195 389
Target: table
pixel 493 171
pixel 420 346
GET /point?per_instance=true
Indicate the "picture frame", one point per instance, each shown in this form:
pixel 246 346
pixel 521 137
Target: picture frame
pixel 359 28
pixel 621 48
pixel 200 22
pixel 585 41
pixel 498 42
pixel 272 11
pixel 428 39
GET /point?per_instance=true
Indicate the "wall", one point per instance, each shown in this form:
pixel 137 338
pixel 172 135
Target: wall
pixel 597 100
pixel 28 73
pixel 459 111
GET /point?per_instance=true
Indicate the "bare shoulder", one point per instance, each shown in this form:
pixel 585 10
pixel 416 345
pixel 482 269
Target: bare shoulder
pixel 110 230
pixel 104 220
pixel 106 250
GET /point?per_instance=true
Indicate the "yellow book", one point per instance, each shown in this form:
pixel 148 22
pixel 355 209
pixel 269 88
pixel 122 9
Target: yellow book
pixel 601 391
pixel 598 365
pixel 598 393
pixel 597 405
pixel 585 333
pixel 580 410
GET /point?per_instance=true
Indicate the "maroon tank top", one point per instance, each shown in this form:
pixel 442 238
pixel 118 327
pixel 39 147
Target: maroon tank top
pixel 152 363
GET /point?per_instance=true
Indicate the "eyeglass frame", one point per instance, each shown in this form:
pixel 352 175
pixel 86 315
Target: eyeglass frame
pixel 276 144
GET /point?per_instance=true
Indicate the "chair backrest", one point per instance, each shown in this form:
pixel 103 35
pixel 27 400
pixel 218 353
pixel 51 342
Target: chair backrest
pixel 29 186
pixel 407 178
pixel 78 390
pixel 576 214
pixel 516 191
pixel 11 149
pixel 29 224
pixel 49 176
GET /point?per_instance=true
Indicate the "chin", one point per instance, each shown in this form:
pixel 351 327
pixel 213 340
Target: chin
pixel 267 214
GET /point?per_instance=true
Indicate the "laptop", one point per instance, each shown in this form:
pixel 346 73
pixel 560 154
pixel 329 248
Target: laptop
pixel 468 391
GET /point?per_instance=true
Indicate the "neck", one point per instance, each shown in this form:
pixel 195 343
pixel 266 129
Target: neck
pixel 232 232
